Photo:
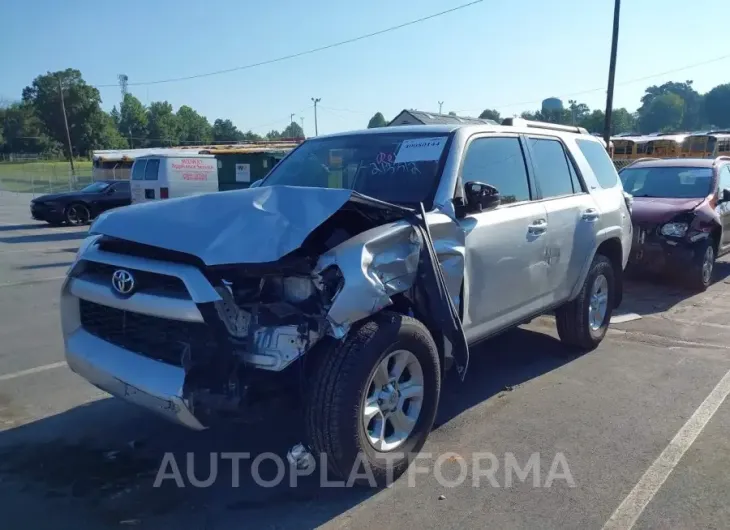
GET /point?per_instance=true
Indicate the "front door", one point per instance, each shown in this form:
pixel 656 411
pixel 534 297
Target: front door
pixel 505 270
pixel 723 207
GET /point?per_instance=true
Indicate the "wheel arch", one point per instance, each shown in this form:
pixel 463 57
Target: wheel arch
pixel 611 248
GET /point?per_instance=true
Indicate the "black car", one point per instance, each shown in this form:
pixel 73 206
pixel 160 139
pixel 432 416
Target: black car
pixel 79 207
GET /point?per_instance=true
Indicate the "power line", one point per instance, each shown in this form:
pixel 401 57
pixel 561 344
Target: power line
pixel 300 54
pixel 627 82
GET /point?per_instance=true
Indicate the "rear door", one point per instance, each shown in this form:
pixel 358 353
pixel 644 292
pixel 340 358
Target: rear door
pixel 146 185
pixel 571 214
pixel 505 269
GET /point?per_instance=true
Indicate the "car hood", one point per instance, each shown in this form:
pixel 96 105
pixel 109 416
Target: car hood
pixel 657 210
pixel 258 225
pixel 58 197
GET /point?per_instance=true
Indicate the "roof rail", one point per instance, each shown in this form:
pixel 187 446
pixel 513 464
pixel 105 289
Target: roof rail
pixel 521 122
pixel 722 158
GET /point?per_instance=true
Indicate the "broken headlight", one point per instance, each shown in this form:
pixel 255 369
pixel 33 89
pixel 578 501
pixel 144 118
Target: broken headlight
pixel 296 289
pixel 675 229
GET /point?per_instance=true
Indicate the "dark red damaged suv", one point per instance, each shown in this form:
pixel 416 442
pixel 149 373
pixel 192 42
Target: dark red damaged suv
pixel 681 215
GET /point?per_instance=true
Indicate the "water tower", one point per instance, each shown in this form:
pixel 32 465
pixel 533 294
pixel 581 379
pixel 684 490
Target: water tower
pixel 552 104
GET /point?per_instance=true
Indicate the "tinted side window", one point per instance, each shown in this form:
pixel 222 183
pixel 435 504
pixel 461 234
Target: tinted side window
pixel 551 167
pixel 121 187
pixel 150 172
pixel 499 162
pixel 600 162
pixel 725 177
pixel 138 170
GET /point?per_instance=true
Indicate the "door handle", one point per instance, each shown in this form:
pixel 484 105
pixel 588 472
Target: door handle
pixel 537 227
pixel 591 214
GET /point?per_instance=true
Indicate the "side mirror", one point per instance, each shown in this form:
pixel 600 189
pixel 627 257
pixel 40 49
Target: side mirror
pixel 725 195
pixel 480 196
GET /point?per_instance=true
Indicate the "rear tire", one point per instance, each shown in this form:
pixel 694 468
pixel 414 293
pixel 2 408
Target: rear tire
pixel 700 274
pixel 583 322
pixel 346 389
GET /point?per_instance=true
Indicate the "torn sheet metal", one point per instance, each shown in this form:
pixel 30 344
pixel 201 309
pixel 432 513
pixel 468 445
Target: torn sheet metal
pixel 258 225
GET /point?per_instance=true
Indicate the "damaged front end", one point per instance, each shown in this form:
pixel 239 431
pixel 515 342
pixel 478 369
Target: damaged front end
pixel 260 321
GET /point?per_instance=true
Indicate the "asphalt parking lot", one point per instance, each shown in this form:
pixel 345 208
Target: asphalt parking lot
pixel 641 424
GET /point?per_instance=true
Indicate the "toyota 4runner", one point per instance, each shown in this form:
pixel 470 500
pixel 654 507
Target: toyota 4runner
pixel 359 271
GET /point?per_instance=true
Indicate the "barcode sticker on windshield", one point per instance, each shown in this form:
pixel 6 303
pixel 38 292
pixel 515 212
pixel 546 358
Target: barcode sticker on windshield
pixel 420 150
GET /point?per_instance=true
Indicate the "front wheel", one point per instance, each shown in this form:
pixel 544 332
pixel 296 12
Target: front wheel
pixel 700 274
pixel 583 322
pixel 77 214
pixel 373 400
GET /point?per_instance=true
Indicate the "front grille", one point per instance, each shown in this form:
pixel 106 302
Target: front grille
pixel 143 280
pixel 158 338
pixel 131 248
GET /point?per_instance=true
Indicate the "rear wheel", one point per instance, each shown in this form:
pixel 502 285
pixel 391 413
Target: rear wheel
pixel 583 322
pixel 374 399
pixel 77 214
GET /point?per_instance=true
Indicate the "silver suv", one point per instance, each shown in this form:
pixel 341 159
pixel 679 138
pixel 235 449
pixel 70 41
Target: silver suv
pixel 358 272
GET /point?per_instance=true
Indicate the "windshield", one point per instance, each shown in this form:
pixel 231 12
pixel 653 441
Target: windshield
pixel 96 187
pixel 669 182
pixel 401 168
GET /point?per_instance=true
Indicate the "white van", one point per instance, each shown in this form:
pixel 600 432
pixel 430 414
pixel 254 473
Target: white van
pixel 169 175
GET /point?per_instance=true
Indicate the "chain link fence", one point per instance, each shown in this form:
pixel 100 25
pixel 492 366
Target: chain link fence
pixel 38 176
pixel 620 164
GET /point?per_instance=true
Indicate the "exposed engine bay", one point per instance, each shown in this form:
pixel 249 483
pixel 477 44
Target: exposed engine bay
pixel 269 315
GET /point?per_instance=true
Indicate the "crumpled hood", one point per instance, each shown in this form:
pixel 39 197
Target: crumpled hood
pixel 657 210
pixel 258 225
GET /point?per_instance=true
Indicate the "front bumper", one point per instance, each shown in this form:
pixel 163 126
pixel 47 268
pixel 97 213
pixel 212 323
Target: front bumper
pixel 650 251
pixel 43 212
pixel 151 384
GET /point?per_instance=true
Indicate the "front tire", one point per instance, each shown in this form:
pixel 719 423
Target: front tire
pixel 77 214
pixel 374 398
pixel 582 323
pixel 700 275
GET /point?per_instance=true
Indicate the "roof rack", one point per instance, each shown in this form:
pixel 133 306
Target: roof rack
pixel 722 158
pixel 521 122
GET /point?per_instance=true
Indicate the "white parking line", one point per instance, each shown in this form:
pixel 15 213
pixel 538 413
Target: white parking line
pixel 633 505
pixel 31 371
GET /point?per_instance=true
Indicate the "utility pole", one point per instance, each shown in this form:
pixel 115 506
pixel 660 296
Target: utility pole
pixel 301 118
pixel 316 130
pixel 291 118
pixel 68 133
pixel 441 104
pixel 611 74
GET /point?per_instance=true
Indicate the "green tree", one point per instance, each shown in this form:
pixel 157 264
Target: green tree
pixel 115 116
pixel 163 125
pixel 576 112
pixel 622 121
pixel 23 132
pixel 225 131
pixel 82 103
pixel 717 106
pixel 293 130
pixel 133 121
pixel 251 136
pixel 110 137
pixel 663 114
pixel 594 121
pixel 273 135
pixel 194 128
pixel 491 114
pixel 378 120
pixel 692 115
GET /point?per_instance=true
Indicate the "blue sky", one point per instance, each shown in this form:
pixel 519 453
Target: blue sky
pixel 500 54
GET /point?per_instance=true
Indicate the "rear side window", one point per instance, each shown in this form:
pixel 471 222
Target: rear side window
pixel 500 163
pixel 724 177
pixel 600 162
pixel 153 167
pixel 551 168
pixel 121 187
pixel 138 170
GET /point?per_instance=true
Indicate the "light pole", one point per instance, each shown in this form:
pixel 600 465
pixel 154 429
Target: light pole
pixel 441 104
pixel 611 74
pixel 301 118
pixel 316 130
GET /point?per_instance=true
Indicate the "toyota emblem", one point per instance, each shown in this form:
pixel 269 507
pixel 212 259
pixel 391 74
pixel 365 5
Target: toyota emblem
pixel 123 282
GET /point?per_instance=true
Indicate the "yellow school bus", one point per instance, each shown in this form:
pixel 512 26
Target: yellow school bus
pixel 631 147
pixel 665 146
pixel 706 145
